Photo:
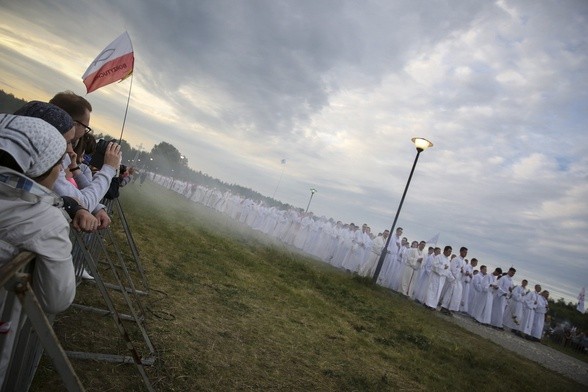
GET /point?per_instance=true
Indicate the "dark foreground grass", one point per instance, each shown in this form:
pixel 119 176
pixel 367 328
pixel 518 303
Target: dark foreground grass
pixel 234 312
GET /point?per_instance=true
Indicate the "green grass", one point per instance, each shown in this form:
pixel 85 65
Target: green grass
pixel 230 310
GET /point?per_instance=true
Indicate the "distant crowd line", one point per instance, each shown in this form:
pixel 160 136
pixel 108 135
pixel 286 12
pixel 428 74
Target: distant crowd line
pixel 435 277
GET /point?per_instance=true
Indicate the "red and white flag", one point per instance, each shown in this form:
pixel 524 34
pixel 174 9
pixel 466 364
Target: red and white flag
pixel 114 63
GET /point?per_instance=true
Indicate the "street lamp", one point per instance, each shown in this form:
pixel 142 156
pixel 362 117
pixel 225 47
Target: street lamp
pixel 312 192
pixel 421 145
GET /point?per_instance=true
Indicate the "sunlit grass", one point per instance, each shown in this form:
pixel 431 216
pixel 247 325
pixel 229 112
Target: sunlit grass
pixel 237 312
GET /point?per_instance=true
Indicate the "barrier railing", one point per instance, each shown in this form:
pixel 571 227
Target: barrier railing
pixel 101 254
pixel 32 330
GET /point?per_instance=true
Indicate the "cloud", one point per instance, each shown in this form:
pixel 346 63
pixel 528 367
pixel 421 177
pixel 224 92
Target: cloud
pixel 339 89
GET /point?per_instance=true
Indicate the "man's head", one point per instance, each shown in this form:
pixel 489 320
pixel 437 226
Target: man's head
pixel 437 251
pixel 511 272
pixel 545 294
pixel 497 271
pixel 538 288
pixel 431 250
pixel 386 234
pixel 524 283
pixel 78 108
pixel 447 251
pixel 483 270
pixel 474 262
pixel 463 251
pixel 398 231
pixel 422 245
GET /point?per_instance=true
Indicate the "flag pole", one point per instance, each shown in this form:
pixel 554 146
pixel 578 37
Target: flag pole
pixel 126 110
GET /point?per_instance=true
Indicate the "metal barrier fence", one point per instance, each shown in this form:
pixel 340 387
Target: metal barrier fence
pixel 113 271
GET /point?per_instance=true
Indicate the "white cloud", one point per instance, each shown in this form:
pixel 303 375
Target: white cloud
pixel 339 89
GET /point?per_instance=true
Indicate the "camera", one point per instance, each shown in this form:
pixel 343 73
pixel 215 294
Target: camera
pixel 98 157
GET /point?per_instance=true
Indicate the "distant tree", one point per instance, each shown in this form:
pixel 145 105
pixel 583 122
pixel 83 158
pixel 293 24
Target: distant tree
pixel 167 160
pixel 562 312
pixel 9 103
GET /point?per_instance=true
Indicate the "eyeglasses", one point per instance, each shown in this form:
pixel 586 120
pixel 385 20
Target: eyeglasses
pixel 87 128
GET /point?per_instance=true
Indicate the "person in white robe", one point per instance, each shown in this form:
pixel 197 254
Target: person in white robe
pixel 476 290
pixel 313 235
pixel 355 252
pixel 468 274
pixel 437 279
pixel 529 306
pixel 452 298
pixel 366 245
pixel 385 276
pixel 539 319
pixel 398 268
pixel 513 314
pixel 483 311
pixel 420 288
pixel 336 233
pixel 503 289
pixel 414 262
pixel 368 268
pixel 303 230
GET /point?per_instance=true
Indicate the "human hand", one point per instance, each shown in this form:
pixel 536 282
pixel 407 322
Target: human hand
pixel 74 160
pixel 103 219
pixel 113 155
pixel 84 221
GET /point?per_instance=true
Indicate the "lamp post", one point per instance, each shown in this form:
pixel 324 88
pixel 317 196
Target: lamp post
pixel 312 192
pixel 421 145
pixel 280 180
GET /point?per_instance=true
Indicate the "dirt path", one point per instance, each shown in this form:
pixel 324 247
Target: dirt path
pixel 544 355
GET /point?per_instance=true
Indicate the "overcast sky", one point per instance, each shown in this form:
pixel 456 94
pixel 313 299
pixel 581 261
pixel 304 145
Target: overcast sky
pixel 338 89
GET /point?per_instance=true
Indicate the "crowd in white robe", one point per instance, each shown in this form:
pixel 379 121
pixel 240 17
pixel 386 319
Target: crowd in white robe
pixel 434 278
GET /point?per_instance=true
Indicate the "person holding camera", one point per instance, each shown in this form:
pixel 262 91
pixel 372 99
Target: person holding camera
pixel 80 109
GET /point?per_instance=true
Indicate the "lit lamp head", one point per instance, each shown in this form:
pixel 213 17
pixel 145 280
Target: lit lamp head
pixel 313 191
pixel 421 144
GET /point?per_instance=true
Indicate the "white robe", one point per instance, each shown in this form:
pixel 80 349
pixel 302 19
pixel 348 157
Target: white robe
pixel 513 313
pixel 475 293
pixel 483 307
pixel 529 305
pixel 500 297
pixel 539 319
pixel 422 283
pixel 436 280
pixel 414 260
pixel 452 297
pixel 368 268
pixel 466 281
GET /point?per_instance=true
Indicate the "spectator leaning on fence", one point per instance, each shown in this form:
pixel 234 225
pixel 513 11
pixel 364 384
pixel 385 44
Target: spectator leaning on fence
pixel 31 217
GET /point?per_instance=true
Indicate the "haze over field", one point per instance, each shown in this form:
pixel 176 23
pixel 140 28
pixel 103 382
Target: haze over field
pixel 338 89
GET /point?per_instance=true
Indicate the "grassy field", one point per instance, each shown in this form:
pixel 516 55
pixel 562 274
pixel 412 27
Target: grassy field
pixel 231 312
